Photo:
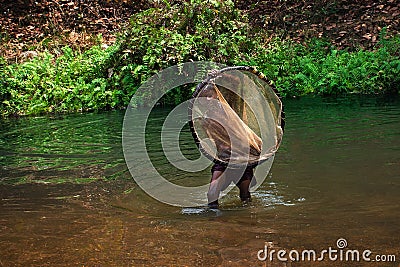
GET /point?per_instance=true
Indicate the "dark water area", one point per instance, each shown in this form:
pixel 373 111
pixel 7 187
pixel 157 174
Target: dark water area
pixel 67 198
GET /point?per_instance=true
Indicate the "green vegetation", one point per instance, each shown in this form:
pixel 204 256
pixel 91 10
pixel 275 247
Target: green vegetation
pixel 320 68
pixel 71 82
pixel 156 38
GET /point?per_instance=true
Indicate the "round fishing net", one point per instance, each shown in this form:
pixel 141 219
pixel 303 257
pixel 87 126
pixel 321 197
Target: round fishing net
pixel 236 117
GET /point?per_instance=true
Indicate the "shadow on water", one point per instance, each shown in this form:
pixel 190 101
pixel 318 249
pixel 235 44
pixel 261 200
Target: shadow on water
pixel 67 198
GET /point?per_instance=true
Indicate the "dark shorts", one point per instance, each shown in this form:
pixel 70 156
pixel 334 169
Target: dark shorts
pixel 247 175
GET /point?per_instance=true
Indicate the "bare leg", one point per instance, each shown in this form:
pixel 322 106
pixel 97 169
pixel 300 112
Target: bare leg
pixel 244 190
pixel 244 184
pixel 214 190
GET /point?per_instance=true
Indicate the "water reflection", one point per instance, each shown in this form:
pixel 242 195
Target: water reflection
pixel 336 175
pixel 65 148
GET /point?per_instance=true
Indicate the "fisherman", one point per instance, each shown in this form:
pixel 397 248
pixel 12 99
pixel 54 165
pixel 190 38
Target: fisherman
pixel 220 122
pixel 221 177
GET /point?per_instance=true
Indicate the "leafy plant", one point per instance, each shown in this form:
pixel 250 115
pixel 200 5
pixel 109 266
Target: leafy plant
pixel 72 82
pixel 320 68
pixel 192 30
pixel 186 31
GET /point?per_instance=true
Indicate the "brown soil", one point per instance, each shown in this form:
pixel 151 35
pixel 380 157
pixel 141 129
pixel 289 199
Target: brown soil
pixel 345 23
pixel 28 24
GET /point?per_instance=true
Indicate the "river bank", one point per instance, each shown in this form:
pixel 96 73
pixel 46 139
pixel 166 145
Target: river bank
pixel 104 72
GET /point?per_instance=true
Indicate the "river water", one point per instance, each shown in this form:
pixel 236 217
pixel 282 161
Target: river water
pixel 67 198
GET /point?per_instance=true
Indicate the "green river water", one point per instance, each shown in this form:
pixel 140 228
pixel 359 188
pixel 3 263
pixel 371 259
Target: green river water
pixel 67 198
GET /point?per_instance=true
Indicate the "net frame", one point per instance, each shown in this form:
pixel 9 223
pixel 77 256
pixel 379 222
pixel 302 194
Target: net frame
pixel 280 118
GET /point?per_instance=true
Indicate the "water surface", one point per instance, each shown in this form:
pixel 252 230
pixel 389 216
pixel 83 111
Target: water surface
pixel 67 198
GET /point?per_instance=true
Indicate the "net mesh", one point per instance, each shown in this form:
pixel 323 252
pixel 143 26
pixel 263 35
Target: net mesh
pixel 236 117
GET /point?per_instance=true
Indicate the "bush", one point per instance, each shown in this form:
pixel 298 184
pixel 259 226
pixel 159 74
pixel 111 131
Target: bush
pixel 190 31
pixel 320 68
pixel 71 82
pixel 186 31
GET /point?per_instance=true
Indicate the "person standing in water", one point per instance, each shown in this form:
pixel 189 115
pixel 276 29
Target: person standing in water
pixel 217 130
pixel 221 177
pixel 229 113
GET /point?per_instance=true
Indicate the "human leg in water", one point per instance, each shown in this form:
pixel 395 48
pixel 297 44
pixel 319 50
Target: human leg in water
pixel 244 184
pixel 214 189
pixel 245 195
pixel 220 182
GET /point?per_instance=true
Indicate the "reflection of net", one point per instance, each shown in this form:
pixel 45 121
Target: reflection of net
pixel 235 117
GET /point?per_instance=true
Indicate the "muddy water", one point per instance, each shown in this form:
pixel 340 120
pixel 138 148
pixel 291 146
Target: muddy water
pixel 67 198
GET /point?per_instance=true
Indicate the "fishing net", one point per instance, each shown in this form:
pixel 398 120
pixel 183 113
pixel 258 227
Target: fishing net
pixel 236 117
